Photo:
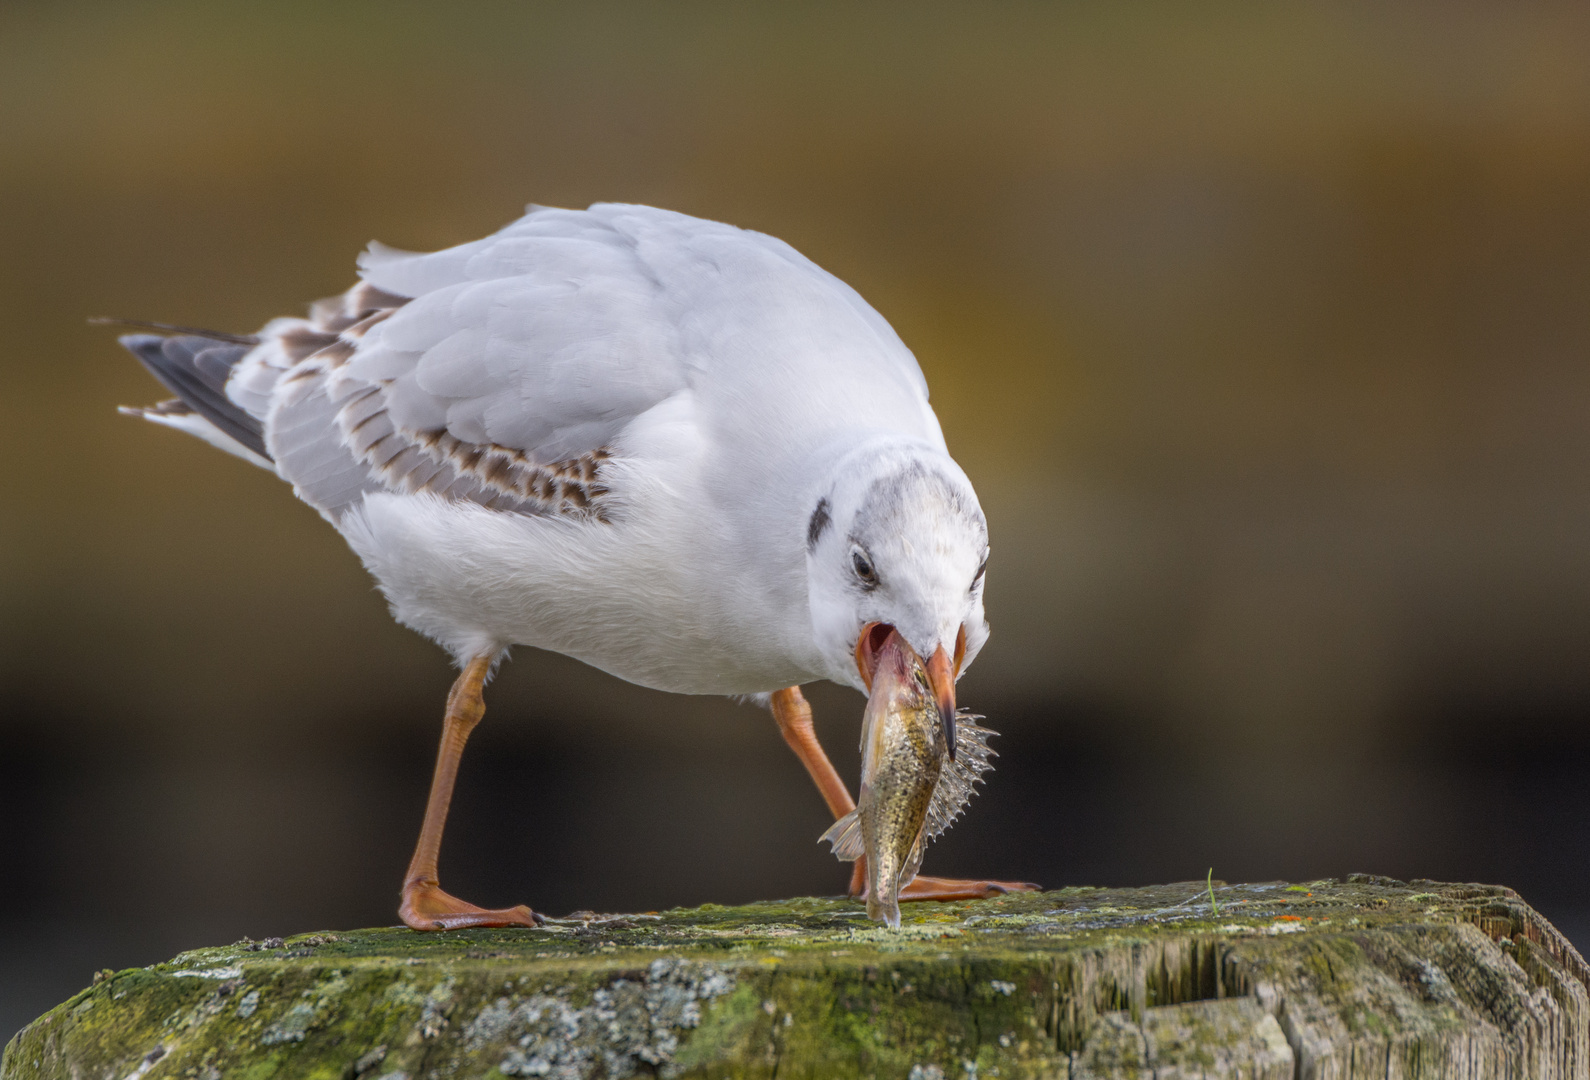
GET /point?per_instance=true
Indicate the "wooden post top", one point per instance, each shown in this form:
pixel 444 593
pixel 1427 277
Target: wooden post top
pixel 1356 978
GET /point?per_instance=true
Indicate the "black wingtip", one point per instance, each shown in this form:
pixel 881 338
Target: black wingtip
pixel 196 369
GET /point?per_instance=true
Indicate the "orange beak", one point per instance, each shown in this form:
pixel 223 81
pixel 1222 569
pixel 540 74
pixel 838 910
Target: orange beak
pixel 940 671
pixel 942 678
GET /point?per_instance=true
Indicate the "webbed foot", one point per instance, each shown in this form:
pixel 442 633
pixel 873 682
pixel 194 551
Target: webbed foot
pixel 941 888
pixel 923 887
pixel 426 907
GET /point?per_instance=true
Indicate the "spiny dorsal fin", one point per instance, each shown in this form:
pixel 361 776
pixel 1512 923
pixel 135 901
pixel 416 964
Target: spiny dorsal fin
pixel 956 780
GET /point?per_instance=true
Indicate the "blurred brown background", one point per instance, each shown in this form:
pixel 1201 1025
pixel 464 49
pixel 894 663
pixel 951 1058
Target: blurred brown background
pixel 1261 328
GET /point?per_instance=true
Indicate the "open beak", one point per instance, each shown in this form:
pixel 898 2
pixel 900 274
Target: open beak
pixel 940 671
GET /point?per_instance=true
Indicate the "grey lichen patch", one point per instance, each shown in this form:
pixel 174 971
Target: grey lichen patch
pixel 1341 976
pixel 306 1013
pixel 434 1008
pixel 624 1028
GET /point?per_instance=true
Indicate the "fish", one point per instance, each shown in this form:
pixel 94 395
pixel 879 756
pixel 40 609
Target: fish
pixel 912 788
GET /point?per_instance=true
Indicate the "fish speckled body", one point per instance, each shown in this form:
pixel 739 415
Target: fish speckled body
pixel 904 753
pixel 910 787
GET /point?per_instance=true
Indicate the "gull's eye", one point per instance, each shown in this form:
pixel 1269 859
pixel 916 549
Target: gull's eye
pixel 863 568
pixel 977 578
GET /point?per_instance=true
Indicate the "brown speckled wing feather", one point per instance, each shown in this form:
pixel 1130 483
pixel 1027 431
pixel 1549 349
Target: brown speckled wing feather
pixel 335 437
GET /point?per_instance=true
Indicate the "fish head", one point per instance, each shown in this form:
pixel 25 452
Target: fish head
pixel 898 682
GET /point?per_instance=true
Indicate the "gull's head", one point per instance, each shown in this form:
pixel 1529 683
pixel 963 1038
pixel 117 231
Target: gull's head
pixel 898 543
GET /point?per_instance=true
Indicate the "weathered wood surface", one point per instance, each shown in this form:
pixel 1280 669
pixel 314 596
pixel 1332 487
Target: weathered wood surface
pixel 1363 978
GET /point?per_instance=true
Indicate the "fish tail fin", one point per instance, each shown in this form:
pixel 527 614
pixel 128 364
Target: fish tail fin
pixel 845 836
pixel 883 892
pixel 886 911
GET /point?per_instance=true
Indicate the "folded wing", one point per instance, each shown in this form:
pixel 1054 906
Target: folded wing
pixel 501 371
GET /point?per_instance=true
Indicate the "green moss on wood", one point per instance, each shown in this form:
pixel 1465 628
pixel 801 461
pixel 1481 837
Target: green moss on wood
pixel 1342 978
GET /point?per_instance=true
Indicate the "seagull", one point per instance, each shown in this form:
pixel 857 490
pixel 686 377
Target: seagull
pixel 673 449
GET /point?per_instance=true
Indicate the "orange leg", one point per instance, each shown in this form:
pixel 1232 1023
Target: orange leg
pixel 794 718
pixel 425 906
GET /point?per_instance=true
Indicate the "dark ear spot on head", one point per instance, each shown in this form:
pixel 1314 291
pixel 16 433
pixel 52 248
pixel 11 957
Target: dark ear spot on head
pixel 819 522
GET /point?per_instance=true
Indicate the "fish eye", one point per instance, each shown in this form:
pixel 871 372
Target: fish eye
pixel 863 567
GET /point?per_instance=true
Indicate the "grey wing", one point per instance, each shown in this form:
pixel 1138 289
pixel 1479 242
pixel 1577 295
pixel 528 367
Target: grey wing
pixel 507 371
pixel 501 372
